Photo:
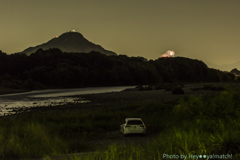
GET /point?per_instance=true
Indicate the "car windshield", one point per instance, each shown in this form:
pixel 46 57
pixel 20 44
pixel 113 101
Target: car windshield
pixel 134 122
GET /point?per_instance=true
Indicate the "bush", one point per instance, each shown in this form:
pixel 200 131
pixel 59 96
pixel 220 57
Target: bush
pixel 211 87
pixel 178 90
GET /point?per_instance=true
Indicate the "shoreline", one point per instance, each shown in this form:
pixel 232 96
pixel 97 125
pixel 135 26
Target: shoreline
pixel 5 91
pixel 122 98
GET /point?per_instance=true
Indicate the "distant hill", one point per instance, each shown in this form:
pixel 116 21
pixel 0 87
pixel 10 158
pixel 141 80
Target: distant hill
pixel 235 72
pixel 70 42
pixel 53 68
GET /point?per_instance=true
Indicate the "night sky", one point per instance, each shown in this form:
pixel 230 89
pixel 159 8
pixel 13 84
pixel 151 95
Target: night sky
pixel 208 30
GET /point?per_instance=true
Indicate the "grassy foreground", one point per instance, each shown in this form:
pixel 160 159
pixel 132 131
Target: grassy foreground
pixel 193 125
pixel 199 126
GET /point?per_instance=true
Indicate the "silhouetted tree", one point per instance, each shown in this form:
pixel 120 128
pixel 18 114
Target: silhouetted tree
pixel 54 68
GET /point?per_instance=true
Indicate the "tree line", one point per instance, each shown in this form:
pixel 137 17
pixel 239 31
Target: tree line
pixel 56 69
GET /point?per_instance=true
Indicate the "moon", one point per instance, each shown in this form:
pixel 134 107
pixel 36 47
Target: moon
pixel 169 53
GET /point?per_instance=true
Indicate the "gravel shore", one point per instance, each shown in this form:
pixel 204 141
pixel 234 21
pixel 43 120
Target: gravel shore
pixel 114 99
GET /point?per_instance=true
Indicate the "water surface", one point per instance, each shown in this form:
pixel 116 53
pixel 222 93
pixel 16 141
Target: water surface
pixel 50 97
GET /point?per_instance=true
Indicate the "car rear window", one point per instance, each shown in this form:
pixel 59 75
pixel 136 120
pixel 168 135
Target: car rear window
pixel 134 122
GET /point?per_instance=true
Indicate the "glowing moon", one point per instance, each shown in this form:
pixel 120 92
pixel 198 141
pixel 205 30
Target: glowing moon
pixel 169 53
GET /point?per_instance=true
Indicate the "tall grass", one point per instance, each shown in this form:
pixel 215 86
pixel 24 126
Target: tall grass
pixel 194 125
pixel 32 135
pixel 27 140
pixel 200 126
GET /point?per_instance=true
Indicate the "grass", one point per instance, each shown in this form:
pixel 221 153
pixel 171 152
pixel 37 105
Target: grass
pixel 200 126
pixel 69 132
pixel 30 139
pixel 210 87
pixel 193 125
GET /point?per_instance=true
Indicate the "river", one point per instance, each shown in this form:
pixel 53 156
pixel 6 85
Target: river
pixel 53 97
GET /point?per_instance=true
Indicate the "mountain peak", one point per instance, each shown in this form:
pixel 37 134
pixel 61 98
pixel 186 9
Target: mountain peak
pixel 71 33
pixel 70 42
pixel 235 71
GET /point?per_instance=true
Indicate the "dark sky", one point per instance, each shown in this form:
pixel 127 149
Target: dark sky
pixel 207 30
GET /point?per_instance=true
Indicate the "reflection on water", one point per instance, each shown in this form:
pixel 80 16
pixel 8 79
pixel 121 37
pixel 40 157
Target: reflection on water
pixel 49 97
pixel 78 91
pixel 11 105
pixel 67 92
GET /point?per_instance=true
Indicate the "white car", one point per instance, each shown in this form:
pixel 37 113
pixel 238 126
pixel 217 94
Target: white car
pixel 133 126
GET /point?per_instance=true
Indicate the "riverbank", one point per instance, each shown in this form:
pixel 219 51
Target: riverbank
pixel 113 99
pixel 129 97
pixel 94 126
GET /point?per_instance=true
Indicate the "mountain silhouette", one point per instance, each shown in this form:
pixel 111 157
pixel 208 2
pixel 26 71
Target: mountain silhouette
pixel 70 42
pixel 235 71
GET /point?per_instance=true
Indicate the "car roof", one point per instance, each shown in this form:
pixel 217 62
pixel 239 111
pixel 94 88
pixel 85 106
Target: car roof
pixel 127 119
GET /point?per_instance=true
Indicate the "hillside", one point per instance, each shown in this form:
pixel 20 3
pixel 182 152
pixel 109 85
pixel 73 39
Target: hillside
pixel 56 69
pixel 235 71
pixel 70 42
